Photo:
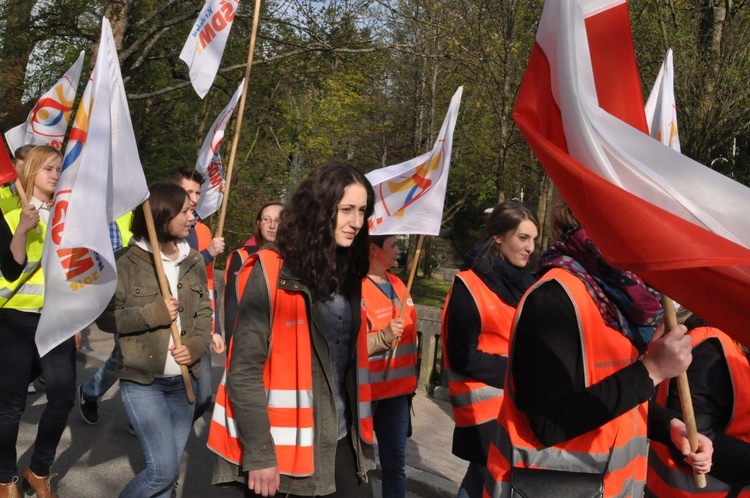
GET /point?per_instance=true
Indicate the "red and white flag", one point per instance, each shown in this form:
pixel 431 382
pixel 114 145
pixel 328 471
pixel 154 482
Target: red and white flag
pixel 409 197
pixel 205 44
pixel 661 109
pixel 209 160
pixel 101 180
pixel 7 171
pixel 679 225
pixel 48 121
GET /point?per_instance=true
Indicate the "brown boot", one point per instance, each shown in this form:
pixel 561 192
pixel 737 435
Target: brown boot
pixel 41 485
pixel 9 489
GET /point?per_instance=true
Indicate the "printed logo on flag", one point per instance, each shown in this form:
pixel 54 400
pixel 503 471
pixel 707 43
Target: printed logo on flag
pixel 77 138
pixel 398 194
pixel 213 22
pixel 50 111
pixel 81 265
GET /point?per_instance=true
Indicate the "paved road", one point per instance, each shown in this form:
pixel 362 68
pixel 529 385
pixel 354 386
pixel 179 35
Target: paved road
pixel 97 461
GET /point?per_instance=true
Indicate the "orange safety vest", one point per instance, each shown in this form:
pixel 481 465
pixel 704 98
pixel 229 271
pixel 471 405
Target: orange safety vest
pixel 203 234
pixel 665 476
pixel 287 377
pixel 402 377
pixel 474 402
pixel 617 449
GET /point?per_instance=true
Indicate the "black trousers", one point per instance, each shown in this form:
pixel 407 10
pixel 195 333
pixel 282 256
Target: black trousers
pixel 348 484
pixel 20 365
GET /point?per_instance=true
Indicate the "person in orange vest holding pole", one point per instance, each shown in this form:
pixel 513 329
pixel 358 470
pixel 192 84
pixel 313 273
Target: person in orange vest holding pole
pixel 587 350
pixel 719 377
pixel 476 324
pixel 298 417
pixel 384 294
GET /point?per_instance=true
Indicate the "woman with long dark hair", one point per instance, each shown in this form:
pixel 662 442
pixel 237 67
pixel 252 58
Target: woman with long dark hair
pixel 149 364
pixel 298 374
pixel 478 317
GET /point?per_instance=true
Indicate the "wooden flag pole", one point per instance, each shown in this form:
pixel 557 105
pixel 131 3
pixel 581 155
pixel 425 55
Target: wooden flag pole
pixel 240 115
pixel 392 351
pixel 670 320
pixel 164 286
pixel 25 200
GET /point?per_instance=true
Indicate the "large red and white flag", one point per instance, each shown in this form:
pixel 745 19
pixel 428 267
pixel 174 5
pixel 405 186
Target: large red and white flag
pixel 101 180
pixel 681 226
pixel 209 160
pixel 205 44
pixel 409 197
pixel 661 108
pixel 48 121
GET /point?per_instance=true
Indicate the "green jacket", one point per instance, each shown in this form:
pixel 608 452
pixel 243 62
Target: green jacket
pixel 137 313
pixel 246 390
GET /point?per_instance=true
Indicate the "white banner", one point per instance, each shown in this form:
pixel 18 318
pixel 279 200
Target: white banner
pixel 48 120
pixel 209 161
pixel 661 109
pixel 101 180
pixel 204 46
pixel 409 197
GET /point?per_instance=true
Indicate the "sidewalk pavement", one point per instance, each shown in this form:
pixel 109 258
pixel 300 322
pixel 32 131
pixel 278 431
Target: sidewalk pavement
pixel 97 461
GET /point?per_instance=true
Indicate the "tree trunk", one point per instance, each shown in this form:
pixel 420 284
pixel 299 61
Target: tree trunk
pixel 18 42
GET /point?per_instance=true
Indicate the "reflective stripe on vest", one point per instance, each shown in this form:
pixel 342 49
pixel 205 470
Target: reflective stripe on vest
pixel 27 291
pixel 402 377
pixel 668 478
pixel 475 402
pixel 619 446
pixel 287 377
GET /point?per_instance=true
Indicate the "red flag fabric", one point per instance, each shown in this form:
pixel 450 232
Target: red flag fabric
pixel 671 226
pixel 7 171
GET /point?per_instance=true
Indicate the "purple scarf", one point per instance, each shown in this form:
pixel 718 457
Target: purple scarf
pixel 625 302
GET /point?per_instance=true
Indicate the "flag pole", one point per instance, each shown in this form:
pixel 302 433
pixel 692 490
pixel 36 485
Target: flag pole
pixel 392 351
pixel 240 115
pixel 164 286
pixel 686 402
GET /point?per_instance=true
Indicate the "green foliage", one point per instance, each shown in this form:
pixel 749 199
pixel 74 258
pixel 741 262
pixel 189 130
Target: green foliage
pixel 369 83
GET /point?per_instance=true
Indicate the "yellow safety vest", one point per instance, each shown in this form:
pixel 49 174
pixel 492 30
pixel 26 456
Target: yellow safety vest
pixel 27 291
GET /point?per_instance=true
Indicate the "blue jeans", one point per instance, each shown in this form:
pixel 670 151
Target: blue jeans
pixel 391 422
pixel 473 484
pixel 162 418
pixel 203 393
pixel 103 379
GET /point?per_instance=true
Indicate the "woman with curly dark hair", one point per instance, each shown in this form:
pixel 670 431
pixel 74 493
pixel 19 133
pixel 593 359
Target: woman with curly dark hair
pixel 300 348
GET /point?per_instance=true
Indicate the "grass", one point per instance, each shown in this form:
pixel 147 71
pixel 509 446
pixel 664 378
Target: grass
pixel 426 291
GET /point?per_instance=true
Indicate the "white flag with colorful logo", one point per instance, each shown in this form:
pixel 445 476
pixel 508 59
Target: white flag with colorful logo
pixel 48 121
pixel 409 197
pixel 205 45
pixel 101 180
pixel 661 109
pixel 209 161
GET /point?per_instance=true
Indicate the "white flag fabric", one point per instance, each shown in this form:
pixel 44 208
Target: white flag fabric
pixel 48 121
pixel 409 197
pixel 209 161
pixel 681 226
pixel 661 109
pixel 204 47
pixel 101 180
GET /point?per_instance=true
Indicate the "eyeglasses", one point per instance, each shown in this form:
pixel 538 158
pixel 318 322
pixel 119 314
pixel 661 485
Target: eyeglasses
pixel 267 220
